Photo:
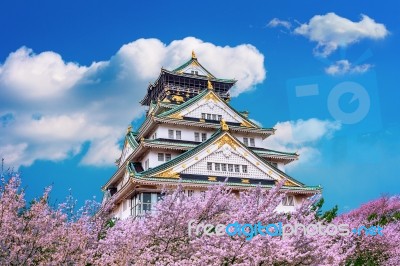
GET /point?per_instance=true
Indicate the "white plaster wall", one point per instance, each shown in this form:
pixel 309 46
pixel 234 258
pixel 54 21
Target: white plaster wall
pixel 211 107
pixel 153 157
pixel 186 133
pixel 200 168
pixel 257 140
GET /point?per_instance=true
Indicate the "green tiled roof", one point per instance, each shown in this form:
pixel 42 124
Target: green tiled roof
pixel 189 63
pixel 193 151
pixel 131 139
pixel 193 145
pixel 271 152
pixel 173 180
pixel 199 97
pixel 175 143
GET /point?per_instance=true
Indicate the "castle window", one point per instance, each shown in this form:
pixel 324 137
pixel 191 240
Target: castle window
pixel 161 157
pixel 230 167
pixel 246 141
pixel 190 193
pixel 288 201
pixel 237 168
pixel 252 142
pixel 203 116
pixel 170 133
pixel 178 134
pixel 217 167
pixel 196 136
pixel 214 117
pixel 244 168
pixel 209 166
pixel 168 157
pixel 203 136
pixel 223 167
pixel 146 164
pixel 209 116
pixel 219 117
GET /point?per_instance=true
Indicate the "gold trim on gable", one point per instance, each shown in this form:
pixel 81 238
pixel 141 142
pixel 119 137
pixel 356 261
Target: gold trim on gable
pixel 176 116
pixel 211 96
pixel 169 174
pixel 246 124
pixel 289 183
pixel 226 140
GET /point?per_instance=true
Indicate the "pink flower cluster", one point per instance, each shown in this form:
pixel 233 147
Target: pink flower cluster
pixel 38 234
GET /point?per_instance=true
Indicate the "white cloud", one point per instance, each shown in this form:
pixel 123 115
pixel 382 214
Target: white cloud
pixel 275 22
pixel 38 76
pixel 331 31
pixel 342 67
pixel 49 108
pixel 301 136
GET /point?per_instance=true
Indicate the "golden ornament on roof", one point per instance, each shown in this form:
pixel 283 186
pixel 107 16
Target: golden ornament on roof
pixel 193 55
pixel 224 125
pixel 209 85
pixel 129 129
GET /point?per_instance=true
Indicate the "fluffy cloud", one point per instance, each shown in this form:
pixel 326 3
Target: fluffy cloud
pixel 49 108
pixel 344 67
pixel 275 22
pixel 331 31
pixel 301 136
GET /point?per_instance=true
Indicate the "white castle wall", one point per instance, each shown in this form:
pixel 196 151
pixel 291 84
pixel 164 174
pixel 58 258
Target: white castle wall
pixel 200 168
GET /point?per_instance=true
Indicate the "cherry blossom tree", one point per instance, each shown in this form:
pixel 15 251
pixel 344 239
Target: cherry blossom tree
pixel 37 233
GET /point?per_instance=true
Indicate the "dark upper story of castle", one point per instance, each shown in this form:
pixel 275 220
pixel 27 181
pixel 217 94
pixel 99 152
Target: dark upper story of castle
pixel 185 82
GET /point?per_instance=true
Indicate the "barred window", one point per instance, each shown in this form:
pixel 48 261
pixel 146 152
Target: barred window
pixel 230 167
pixel 203 136
pixel 170 133
pixel 252 142
pixel 246 141
pixel 209 116
pixel 244 168
pixel 203 116
pixel 223 167
pixel 237 168
pixel 217 167
pixel 209 166
pixel 214 117
pixel 161 157
pixel 196 136
pixel 219 117
pixel 168 157
pixel 288 201
pixel 178 134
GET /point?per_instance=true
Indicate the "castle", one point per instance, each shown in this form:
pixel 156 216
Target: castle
pixel 192 136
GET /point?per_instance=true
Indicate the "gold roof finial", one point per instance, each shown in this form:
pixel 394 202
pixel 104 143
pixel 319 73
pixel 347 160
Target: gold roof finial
pixel 209 85
pixel 224 125
pixel 193 55
pixel 129 129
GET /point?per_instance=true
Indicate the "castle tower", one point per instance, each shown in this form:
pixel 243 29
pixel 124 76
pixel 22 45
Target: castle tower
pixel 193 137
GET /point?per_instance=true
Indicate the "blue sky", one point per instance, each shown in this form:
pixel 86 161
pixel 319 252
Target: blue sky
pixel 323 73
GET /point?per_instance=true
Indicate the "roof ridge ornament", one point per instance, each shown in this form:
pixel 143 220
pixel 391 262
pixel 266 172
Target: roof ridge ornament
pixel 224 125
pixel 129 129
pixel 193 55
pixel 209 85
